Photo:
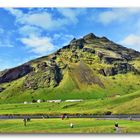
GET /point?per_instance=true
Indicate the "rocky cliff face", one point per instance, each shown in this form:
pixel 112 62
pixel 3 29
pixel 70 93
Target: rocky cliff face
pixel 45 75
pixel 15 73
pixel 118 68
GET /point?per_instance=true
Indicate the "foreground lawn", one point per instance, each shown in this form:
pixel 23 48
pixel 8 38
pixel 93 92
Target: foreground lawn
pixel 63 126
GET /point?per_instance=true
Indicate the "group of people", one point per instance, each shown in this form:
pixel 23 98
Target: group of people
pixel 25 120
pixel 64 116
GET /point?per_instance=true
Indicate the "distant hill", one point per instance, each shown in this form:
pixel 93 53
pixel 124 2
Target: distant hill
pixel 87 68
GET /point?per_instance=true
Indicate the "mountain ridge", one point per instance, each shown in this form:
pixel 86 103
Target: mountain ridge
pixel 87 62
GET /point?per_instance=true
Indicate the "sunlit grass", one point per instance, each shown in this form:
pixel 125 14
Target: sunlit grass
pixel 63 126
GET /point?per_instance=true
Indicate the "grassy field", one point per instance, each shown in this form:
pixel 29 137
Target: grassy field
pixel 126 104
pixel 63 126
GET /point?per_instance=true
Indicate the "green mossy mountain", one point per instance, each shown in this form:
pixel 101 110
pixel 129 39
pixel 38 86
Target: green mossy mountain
pixel 87 68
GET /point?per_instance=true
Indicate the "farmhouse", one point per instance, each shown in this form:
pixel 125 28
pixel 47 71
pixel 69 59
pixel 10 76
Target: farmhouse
pixel 76 100
pixel 54 101
pixel 39 101
pixel 25 102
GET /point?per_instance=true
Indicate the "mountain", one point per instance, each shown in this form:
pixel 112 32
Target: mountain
pixel 87 68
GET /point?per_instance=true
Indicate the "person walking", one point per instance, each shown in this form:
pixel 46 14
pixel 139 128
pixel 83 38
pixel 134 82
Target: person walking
pixel 28 119
pixel 130 118
pixel 117 128
pixel 71 125
pixel 24 120
pixel 62 117
pixel 116 124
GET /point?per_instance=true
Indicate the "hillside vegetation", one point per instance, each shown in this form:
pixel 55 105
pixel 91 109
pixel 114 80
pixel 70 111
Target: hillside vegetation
pixel 91 68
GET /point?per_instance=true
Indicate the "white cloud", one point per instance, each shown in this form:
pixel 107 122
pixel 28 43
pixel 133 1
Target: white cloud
pixel 5 38
pixel 28 30
pixel 132 41
pixel 39 45
pixel 45 19
pixel 42 45
pixel 32 24
pixel 71 14
pixel 15 12
pixel 117 15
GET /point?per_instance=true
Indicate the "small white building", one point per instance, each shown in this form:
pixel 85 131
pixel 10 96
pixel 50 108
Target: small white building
pixel 53 101
pixel 25 102
pixel 39 101
pixel 76 100
pixel 118 95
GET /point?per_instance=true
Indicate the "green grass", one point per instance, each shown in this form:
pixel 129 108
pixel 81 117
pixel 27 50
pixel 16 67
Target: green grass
pixel 126 104
pixel 62 126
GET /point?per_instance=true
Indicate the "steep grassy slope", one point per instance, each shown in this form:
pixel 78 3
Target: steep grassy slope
pixel 69 88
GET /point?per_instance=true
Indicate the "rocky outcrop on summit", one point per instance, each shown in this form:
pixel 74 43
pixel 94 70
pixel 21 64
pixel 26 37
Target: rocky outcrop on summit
pixel 90 37
pixel 77 44
pixel 104 43
pixel 15 73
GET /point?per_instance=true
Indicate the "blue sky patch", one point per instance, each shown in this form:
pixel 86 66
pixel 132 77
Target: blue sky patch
pixel 28 33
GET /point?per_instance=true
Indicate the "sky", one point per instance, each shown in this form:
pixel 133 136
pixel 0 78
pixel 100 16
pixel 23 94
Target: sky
pixel 28 33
